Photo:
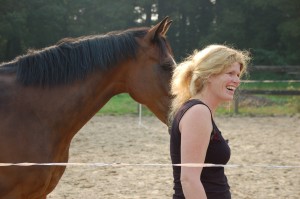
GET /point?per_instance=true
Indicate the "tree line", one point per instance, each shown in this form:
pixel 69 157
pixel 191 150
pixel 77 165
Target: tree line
pixel 269 29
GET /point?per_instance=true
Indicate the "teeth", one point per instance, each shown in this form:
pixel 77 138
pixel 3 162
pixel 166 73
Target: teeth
pixel 230 88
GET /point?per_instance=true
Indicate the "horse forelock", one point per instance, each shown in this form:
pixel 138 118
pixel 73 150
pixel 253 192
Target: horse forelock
pixel 73 59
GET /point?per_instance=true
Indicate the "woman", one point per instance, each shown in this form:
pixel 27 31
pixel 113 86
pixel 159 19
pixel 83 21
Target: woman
pixel 202 82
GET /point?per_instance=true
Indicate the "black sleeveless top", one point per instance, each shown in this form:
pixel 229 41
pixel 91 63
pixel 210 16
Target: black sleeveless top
pixel 218 152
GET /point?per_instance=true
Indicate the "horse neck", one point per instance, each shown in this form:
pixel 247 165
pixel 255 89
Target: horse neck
pixel 94 93
pixel 71 106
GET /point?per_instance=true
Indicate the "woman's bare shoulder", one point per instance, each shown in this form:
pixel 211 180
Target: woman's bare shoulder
pixel 197 117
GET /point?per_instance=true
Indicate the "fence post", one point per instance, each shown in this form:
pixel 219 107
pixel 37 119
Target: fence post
pixel 236 106
pixel 236 102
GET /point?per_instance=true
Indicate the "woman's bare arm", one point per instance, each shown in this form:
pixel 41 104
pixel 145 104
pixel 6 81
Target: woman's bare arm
pixel 195 127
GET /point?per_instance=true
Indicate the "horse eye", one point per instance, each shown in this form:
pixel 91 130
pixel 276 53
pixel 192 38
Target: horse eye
pixel 167 66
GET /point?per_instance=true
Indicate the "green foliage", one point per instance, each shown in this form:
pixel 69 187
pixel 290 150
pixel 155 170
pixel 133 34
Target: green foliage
pixel 48 19
pixel 270 29
pixel 267 57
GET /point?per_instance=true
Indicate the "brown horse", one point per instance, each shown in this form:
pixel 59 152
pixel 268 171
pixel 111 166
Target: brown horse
pixel 46 96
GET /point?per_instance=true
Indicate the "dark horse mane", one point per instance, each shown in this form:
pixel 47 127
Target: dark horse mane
pixel 72 59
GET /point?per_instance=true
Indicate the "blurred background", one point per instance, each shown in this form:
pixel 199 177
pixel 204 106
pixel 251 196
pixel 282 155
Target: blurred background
pixel 269 29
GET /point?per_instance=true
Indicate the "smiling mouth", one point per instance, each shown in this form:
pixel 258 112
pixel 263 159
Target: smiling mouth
pixel 231 88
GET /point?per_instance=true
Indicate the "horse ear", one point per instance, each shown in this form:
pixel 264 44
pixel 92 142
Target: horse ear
pixel 166 28
pixel 159 29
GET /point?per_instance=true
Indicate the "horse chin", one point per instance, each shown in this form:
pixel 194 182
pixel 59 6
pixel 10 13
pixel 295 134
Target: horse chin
pixel 160 112
pixel 162 118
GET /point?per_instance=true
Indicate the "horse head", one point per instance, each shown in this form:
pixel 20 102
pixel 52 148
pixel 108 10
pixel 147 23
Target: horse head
pixel 149 81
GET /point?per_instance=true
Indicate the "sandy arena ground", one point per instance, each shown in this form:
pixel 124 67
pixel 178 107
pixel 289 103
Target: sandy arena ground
pixel 255 143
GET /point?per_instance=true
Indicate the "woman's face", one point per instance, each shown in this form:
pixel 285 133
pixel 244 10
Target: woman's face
pixel 224 85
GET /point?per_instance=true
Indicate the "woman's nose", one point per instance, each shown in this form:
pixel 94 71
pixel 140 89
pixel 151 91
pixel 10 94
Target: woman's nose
pixel 237 80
